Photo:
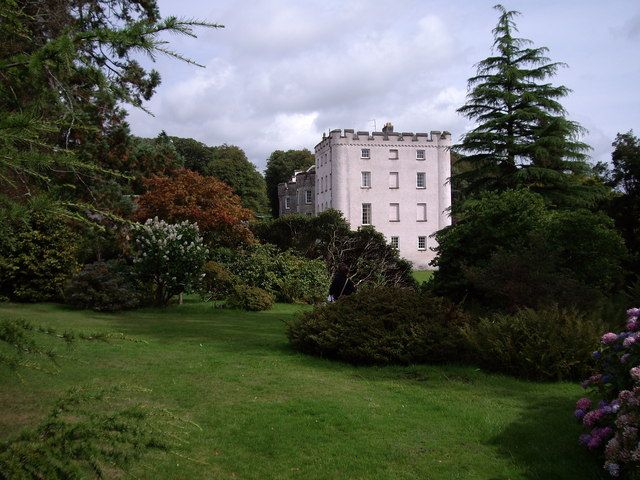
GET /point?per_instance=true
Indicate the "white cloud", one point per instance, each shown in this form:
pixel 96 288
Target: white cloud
pixel 282 72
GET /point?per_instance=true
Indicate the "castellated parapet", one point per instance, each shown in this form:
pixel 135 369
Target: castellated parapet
pixel 396 181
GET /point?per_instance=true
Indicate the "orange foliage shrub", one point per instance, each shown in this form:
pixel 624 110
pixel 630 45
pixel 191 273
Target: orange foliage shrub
pixel 187 195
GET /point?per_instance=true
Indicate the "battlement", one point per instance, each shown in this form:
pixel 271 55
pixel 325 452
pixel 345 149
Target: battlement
pixel 348 135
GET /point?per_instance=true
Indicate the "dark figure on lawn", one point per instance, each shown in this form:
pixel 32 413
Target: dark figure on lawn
pixel 341 283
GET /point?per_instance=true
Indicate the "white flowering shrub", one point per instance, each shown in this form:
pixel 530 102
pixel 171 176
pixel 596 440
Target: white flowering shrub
pixel 169 257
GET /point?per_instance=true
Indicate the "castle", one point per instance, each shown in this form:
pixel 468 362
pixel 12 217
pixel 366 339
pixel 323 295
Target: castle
pixel 397 182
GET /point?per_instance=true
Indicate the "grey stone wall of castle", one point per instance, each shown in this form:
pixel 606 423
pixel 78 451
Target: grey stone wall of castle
pixel 298 195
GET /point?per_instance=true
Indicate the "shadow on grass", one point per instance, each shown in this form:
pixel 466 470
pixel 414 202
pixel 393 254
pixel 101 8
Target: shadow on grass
pixel 543 443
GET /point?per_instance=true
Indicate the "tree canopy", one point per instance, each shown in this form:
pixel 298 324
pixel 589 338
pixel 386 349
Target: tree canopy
pixel 231 165
pixel 522 137
pixel 207 201
pixel 280 168
pixel 196 154
pixel 623 175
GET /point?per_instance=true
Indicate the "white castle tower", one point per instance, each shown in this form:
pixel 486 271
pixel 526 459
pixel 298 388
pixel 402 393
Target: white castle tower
pixel 397 182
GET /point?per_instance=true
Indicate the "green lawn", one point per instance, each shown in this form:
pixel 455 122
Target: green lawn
pixel 422 275
pixel 267 412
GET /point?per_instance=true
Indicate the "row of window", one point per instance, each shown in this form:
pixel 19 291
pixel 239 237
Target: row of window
pixel 365 154
pixel 394 213
pixel 323 183
pixel 394 180
pixel 422 242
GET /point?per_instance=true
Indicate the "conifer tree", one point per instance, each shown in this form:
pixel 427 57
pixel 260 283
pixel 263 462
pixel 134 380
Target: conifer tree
pixel 522 137
pixel 66 70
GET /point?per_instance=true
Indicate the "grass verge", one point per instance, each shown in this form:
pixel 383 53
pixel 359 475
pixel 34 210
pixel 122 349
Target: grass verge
pixel 261 411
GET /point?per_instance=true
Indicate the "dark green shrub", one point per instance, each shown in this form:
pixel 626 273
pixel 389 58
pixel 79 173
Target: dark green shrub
pixel 218 281
pixel 37 259
pixel 249 298
pixel 510 250
pixel 382 326
pixel 105 287
pixel 546 344
pixel 530 277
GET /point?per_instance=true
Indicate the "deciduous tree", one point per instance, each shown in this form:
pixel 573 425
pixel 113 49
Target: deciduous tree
pixel 230 164
pixel 211 203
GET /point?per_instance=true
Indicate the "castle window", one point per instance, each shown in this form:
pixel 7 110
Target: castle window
pixel 366 180
pixel 421 212
pixel 419 154
pixel 307 197
pixel 366 214
pixel 287 205
pixel 394 212
pixel 394 242
pixel 365 153
pixel 421 180
pixel 422 243
pixel 393 154
pixel 393 179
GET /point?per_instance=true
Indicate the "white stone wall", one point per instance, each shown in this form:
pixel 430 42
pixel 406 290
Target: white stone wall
pixel 339 164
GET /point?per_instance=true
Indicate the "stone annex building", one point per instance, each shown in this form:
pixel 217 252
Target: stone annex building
pixel 397 182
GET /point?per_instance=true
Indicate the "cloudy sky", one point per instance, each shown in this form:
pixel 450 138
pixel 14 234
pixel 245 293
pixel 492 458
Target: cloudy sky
pixel 282 72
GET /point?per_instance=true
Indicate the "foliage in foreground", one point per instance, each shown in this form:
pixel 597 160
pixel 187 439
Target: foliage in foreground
pixel 382 326
pixel 613 424
pixel 88 433
pixel 68 69
pixel 546 344
pixel 85 436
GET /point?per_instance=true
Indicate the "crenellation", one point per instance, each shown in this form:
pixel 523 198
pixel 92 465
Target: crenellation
pixel 434 139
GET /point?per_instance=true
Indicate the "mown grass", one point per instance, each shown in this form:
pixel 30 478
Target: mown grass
pixel 422 276
pixel 261 411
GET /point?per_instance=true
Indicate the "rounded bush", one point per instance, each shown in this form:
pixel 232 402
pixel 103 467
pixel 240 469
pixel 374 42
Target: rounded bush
pixel 218 281
pixel 546 344
pixel 105 287
pixel 249 298
pixel 383 325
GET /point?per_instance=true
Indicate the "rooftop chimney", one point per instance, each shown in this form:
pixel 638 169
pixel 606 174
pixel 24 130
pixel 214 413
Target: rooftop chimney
pixel 388 127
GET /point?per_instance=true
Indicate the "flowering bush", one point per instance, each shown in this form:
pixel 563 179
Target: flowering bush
pixel 168 256
pixel 612 425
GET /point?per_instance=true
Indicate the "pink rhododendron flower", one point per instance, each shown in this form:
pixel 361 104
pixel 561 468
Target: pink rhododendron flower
pixel 635 373
pixel 609 338
pixel 629 341
pixel 633 312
